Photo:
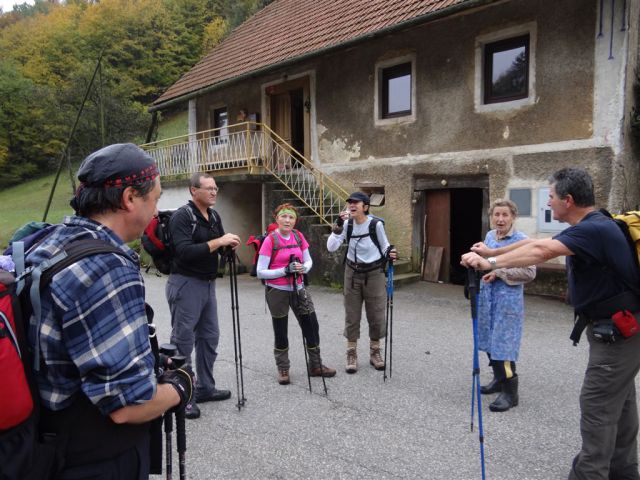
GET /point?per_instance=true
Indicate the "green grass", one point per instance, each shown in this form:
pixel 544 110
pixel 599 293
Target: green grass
pixel 27 201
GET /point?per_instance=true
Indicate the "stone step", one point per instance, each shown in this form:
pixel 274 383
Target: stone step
pixel 401 266
pixel 405 278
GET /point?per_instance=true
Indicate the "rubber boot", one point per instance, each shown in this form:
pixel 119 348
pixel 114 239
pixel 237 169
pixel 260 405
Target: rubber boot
pixel 508 397
pixel 283 364
pixel 316 368
pixel 494 386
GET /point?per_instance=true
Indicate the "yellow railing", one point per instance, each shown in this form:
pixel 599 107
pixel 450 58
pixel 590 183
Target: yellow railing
pixel 256 148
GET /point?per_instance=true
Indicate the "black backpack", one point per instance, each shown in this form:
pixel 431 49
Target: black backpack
pixel 371 233
pixel 23 454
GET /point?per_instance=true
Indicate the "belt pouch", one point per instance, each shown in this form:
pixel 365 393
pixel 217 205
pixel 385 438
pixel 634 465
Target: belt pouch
pixel 626 323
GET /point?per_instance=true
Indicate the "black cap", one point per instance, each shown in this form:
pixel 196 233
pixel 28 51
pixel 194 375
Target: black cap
pixel 121 164
pixel 359 197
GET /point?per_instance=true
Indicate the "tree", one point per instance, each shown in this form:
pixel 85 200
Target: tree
pixel 26 131
pixel 49 50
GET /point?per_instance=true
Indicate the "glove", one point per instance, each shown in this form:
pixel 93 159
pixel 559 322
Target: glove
pixel 182 381
pixel 290 269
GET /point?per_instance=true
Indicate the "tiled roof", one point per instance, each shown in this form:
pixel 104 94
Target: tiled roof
pixel 288 29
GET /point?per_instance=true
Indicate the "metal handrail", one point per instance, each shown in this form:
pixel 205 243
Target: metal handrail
pixel 252 146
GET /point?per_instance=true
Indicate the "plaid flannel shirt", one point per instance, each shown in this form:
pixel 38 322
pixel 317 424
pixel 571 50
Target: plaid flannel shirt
pixel 94 335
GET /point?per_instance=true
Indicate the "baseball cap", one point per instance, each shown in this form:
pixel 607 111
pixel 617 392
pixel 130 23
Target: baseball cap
pixel 359 197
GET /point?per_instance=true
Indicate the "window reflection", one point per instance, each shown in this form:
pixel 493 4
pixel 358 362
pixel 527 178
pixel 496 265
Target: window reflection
pixel 396 91
pixel 507 70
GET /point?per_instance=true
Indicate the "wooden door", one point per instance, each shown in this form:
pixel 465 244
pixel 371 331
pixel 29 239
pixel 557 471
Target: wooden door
pixel 284 98
pixel 281 124
pixel 438 227
pixel 281 115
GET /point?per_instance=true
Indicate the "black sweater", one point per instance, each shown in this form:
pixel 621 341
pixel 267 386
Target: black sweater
pixel 191 255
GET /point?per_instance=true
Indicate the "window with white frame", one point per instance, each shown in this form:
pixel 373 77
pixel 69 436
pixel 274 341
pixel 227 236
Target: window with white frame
pixel 395 100
pixel 505 68
pixel 396 91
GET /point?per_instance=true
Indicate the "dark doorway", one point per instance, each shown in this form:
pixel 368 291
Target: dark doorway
pixel 289 117
pixel 466 227
pixel 297 120
pixel 453 220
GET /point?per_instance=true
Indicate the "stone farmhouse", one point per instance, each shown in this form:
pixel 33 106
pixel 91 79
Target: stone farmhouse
pixel 434 107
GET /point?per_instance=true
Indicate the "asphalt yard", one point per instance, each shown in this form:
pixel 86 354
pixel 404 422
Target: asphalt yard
pixel 416 425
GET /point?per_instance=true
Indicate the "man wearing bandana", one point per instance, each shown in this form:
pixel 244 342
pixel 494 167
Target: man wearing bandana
pixel 97 384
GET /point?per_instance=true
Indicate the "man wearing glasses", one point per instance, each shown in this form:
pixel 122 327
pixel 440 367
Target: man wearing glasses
pixel 197 239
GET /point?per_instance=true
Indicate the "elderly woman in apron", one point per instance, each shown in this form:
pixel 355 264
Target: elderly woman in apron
pixel 501 309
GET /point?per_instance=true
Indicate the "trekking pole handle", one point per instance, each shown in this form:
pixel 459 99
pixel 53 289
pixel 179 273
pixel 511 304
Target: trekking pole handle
pixel 473 279
pixel 293 259
pixel 388 252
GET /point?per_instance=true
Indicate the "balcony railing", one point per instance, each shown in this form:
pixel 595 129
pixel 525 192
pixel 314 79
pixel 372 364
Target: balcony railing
pixel 256 148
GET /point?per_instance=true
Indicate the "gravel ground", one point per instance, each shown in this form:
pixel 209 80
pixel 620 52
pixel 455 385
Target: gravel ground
pixel 414 425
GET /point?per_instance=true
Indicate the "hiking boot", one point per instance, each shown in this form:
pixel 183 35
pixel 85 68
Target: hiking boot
pixel 494 386
pixel 352 360
pixel 192 410
pixel 508 398
pixel 283 376
pixel 322 371
pixel 216 396
pixel 375 358
pixel 316 368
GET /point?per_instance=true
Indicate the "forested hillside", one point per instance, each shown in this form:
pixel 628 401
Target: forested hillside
pixel 48 55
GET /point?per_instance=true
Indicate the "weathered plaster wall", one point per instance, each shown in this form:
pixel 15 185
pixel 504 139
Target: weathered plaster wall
pixel 238 205
pixel 240 96
pixel 446 119
pixel 628 165
pixel 504 171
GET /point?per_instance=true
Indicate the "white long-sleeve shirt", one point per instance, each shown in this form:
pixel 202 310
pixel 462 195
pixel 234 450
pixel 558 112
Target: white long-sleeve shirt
pixel 361 250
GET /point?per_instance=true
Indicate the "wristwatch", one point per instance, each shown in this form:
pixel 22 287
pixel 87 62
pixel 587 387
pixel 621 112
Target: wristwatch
pixel 492 262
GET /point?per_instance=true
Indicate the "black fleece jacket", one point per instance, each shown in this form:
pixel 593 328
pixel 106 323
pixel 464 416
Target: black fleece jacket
pixel 191 255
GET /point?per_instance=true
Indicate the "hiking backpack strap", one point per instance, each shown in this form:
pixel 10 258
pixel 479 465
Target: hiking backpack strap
pixel 18 256
pixel 372 233
pixel 5 326
pixel 276 243
pixel 194 220
pixel 349 225
pixel 43 273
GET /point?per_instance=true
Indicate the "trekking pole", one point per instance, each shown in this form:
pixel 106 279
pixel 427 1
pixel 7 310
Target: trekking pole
pixel 294 298
pixel 306 361
pixel 473 279
pixel 169 350
pixel 235 290
pixel 168 431
pixel 181 434
pixel 388 339
pixel 235 317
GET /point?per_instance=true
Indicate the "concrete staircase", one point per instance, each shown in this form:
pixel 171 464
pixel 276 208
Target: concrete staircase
pixel 402 274
pixel 328 267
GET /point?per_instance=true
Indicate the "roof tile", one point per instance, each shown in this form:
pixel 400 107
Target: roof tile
pixel 287 29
